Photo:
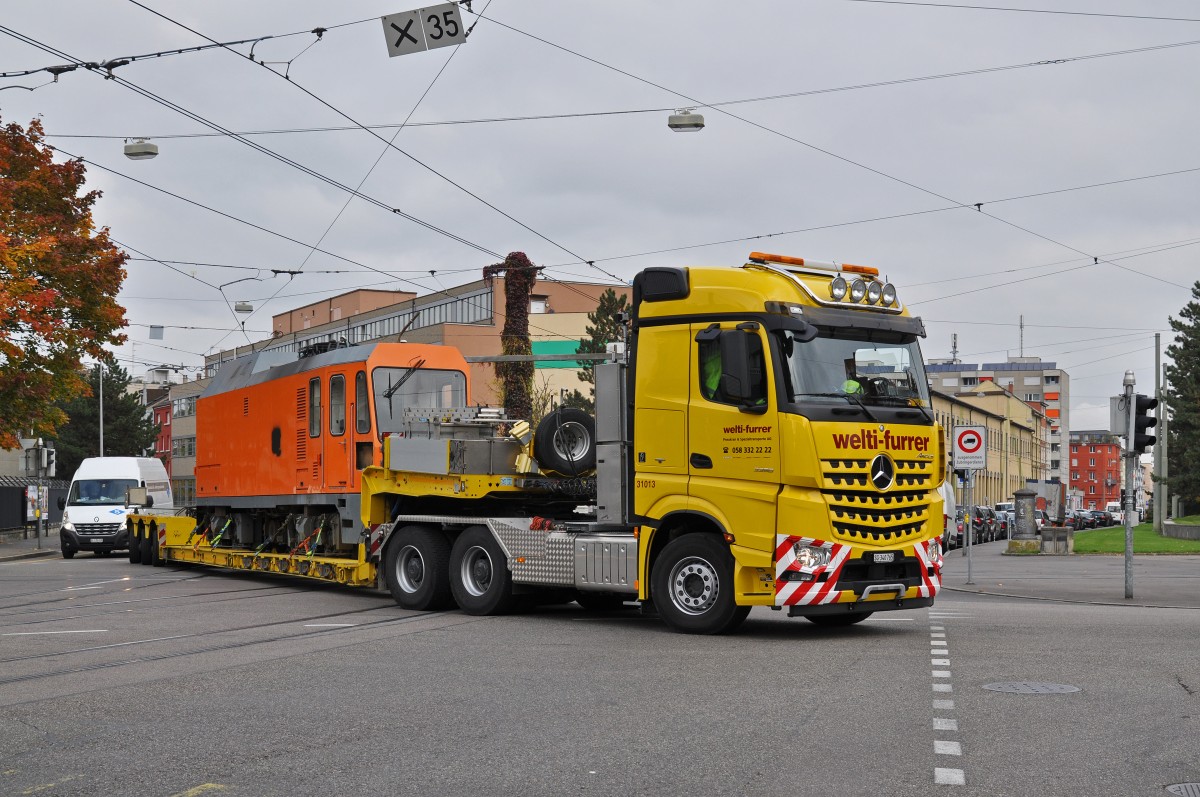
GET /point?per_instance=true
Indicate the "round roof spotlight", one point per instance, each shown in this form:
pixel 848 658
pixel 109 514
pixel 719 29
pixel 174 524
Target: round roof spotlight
pixel 685 120
pixel 837 288
pixel 874 292
pixel 889 295
pixel 139 149
pixel 858 289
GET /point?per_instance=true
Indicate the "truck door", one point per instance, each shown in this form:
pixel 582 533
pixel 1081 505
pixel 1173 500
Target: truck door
pixel 365 453
pixel 733 430
pixel 339 449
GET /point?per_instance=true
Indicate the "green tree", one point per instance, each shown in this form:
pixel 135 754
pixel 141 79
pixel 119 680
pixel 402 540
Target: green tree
pixel 128 428
pixel 607 327
pixel 59 278
pixel 1182 392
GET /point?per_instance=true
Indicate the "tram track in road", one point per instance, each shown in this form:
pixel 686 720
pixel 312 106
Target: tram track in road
pixel 58 591
pixel 153 599
pixel 323 632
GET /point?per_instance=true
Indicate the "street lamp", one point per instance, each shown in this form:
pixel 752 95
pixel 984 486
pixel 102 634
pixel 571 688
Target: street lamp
pixel 686 120
pixel 139 149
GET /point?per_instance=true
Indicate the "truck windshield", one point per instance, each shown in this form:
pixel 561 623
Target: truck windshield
pixel 398 389
pixel 94 492
pixel 867 367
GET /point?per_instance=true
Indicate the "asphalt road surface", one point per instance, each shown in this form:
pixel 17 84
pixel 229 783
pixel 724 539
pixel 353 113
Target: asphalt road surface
pixel 118 679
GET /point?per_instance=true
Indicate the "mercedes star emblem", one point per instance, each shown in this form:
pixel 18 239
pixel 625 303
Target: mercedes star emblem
pixel 882 472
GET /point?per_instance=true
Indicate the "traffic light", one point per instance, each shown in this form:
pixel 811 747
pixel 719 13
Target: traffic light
pixel 49 474
pixel 1139 442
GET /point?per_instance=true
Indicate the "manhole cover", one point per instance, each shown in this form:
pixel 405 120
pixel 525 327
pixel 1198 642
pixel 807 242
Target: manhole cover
pixel 1032 688
pixel 1185 789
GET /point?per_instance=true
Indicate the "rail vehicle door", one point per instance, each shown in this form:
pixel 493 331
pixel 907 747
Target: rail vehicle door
pixel 365 451
pixel 338 457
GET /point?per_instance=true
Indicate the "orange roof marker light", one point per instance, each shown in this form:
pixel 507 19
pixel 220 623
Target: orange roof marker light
pixel 763 257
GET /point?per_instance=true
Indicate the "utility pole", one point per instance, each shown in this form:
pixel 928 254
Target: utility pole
pixel 101 366
pixel 1130 460
pixel 1157 505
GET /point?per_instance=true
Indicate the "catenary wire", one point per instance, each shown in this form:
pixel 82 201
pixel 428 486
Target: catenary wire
pixel 1024 10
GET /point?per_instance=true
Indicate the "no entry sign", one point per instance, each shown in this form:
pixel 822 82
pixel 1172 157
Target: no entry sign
pixel 970 447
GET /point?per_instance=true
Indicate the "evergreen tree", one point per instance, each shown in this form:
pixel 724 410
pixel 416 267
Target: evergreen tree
pixel 128 428
pixel 1182 392
pixel 606 327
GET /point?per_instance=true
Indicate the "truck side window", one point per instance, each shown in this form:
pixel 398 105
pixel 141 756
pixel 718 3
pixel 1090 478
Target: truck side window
pixel 314 407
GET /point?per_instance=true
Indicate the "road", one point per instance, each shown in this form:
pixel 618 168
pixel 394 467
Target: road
pixel 119 679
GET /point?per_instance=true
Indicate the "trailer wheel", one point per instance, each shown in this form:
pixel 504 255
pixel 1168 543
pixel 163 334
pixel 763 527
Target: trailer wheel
pixel 692 585
pixel 156 557
pixel 416 568
pixel 565 442
pixel 147 553
pixel 479 576
pixel 839 620
pixel 135 546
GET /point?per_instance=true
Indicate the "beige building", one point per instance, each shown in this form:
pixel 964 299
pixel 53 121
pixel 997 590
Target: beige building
pixel 183 440
pixel 1017 439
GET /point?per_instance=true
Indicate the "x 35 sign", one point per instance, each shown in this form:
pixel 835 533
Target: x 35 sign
pixel 423 29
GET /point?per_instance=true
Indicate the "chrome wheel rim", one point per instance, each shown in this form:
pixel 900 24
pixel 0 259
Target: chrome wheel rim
pixel 410 569
pixel 475 572
pixel 695 585
pixel 571 441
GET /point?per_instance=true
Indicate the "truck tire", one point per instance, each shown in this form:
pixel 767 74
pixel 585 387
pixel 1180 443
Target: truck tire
pixel 417 568
pixel 156 557
pixel 565 442
pixel 692 586
pixel 146 551
pixel 479 577
pixel 839 620
pixel 135 547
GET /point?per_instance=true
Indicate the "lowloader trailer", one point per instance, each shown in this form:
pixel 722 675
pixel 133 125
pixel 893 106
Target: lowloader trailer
pixel 763 438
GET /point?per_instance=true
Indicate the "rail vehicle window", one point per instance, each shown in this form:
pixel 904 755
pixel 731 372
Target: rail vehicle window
pixel 362 407
pixel 314 408
pixel 400 389
pixel 337 405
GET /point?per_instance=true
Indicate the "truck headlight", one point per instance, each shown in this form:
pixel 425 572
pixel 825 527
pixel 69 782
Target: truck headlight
pixel 811 556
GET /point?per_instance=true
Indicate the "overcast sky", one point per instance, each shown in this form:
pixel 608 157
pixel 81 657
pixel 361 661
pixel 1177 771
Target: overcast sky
pixel 838 169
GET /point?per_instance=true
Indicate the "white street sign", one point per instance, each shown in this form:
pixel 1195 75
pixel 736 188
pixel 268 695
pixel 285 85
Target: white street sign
pixel 970 447
pixel 423 29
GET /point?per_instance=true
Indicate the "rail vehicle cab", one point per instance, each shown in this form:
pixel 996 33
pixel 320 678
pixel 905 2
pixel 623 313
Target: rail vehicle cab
pixel 277 430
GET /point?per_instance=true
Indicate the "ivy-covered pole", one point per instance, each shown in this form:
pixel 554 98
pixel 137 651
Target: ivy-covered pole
pixel 516 378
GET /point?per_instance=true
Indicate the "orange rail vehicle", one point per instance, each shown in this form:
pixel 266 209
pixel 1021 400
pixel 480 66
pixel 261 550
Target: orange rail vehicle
pixel 281 439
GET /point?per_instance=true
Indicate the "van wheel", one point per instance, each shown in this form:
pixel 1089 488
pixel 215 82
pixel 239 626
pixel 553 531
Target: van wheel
pixel 68 553
pixel 479 576
pixel 692 586
pixel 416 568
pixel 565 442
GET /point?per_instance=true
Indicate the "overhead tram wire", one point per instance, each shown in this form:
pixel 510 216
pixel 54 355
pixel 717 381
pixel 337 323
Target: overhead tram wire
pixel 391 145
pixel 963 6
pixel 978 207
pixel 664 109
pixel 247 142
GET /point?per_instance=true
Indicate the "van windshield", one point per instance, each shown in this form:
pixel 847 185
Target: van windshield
pixel 93 492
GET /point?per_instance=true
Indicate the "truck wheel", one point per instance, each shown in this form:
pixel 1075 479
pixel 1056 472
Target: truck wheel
pixel 692 586
pixel 479 577
pixel 839 620
pixel 135 548
pixel 416 568
pixel 156 557
pixel 565 442
pixel 146 551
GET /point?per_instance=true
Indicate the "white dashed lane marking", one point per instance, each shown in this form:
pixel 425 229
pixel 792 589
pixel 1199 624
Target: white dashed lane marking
pixel 943 725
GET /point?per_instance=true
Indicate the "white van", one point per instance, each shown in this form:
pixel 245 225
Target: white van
pixel 94 510
pixel 1117 510
pixel 949 512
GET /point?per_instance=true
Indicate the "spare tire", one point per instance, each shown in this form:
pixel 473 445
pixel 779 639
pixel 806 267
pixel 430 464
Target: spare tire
pixel 565 442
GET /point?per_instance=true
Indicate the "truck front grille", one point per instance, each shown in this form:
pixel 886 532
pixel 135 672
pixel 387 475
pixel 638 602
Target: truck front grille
pixel 860 513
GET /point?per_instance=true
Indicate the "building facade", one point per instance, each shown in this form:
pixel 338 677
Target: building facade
pixel 1043 385
pixel 160 411
pixel 183 440
pixel 1096 473
pixel 1017 440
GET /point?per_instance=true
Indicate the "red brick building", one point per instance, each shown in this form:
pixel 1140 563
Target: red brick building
pixel 161 410
pixel 1095 460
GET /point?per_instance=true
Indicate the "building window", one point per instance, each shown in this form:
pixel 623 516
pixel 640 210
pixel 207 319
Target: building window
pixel 1092 476
pixel 1033 396
pixel 1051 379
pixel 1092 490
pixel 1074 462
pixel 950 381
pixel 1092 462
pixel 183 447
pixel 970 381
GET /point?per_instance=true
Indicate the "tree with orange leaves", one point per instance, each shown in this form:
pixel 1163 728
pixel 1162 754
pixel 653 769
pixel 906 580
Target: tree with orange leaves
pixel 59 278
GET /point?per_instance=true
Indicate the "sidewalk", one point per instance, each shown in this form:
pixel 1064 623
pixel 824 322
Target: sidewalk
pixel 1158 580
pixel 12 547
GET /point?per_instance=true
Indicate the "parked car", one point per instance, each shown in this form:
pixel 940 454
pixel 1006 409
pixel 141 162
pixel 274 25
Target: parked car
pixel 1080 519
pixel 957 537
pixel 1041 518
pixel 1004 521
pixel 984 524
pixel 1103 518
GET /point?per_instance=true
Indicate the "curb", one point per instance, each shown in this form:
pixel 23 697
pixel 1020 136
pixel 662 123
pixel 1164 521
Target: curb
pixel 967 591
pixel 45 552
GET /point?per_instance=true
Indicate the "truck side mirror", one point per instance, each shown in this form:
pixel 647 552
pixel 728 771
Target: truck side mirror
pixel 743 379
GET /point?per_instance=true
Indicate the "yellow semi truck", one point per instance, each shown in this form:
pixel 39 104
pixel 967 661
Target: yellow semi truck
pixel 763 438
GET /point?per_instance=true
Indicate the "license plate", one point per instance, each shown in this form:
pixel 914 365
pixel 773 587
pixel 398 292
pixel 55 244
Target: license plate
pixel 96 539
pixel 882 558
